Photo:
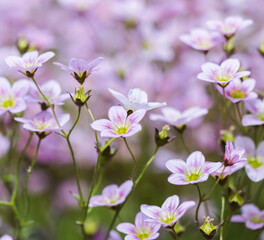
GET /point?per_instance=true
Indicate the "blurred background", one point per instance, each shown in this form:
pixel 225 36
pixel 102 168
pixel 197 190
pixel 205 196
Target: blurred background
pixel 139 40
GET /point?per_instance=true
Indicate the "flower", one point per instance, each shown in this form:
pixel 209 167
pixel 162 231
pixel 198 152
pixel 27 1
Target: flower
pixel 119 125
pixel 232 155
pixel 112 195
pixel 137 99
pixel 29 62
pixel 6 237
pixel 194 170
pixel 230 26
pixel 201 39
pixel 169 213
pixel 114 236
pixel 141 229
pixel 256 107
pixel 179 119
pixel 52 91
pixel 12 97
pixel 255 157
pixel 43 123
pixel 222 74
pixel 251 215
pixel 229 170
pixel 80 69
pixel 238 90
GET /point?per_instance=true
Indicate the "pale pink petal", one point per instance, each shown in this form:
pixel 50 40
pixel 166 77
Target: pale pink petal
pixel 140 220
pixel 255 174
pixel 178 179
pixel 251 120
pixel 245 143
pixel 20 106
pixel 96 201
pixel 93 66
pixel 121 98
pixel 238 218
pixel 63 67
pixel 131 237
pixel 171 203
pixel 136 116
pixel 254 226
pixel 13 61
pixel 20 88
pixel 78 65
pixel 109 133
pixel 137 95
pixel 231 66
pixel 153 212
pixel 210 68
pixel 210 167
pixel 30 57
pixel 101 125
pixel 195 160
pixel 125 188
pixel 177 166
pixel 45 57
pixel 110 190
pixel 135 128
pixel 241 74
pixel 249 209
pixel 205 77
pixel 260 149
pixel 117 114
pixel 126 228
pixel 185 206
pixel 5 86
pixel 152 105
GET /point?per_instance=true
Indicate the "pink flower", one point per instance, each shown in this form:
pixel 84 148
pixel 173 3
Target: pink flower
pixel 229 170
pixel 6 237
pixel 12 97
pixel 137 99
pixel 114 236
pixel 201 39
pixel 112 195
pixel 81 69
pixel 222 74
pixel 141 229
pixel 119 125
pixel 29 62
pixel 169 213
pixel 251 215
pixel 238 90
pixel 255 157
pixel 43 122
pixel 179 119
pixel 194 170
pixel 230 26
pixel 256 107
pixel 51 90
pixel 232 155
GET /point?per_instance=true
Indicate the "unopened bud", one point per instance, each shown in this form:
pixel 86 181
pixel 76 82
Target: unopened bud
pixel 80 97
pixel 229 47
pixel 22 45
pixel 90 226
pixel 227 135
pixel 208 230
pixel 261 48
pixel 179 229
pixel 161 137
pixel 235 198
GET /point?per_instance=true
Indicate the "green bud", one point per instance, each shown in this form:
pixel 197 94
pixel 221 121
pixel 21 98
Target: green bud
pixel 179 229
pixel 229 47
pixel 161 137
pixel 80 97
pixel 261 48
pixel 164 132
pixel 208 229
pixel 22 45
pixel 235 198
pixel 90 226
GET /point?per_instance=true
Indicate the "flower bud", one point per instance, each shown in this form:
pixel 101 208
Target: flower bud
pixel 208 230
pixel 22 45
pixel 229 47
pixel 80 97
pixel 235 198
pixel 261 48
pixel 90 226
pixel 227 135
pixel 161 137
pixel 179 229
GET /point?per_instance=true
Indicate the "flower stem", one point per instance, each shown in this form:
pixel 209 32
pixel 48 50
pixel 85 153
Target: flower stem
pixel 222 218
pixel 92 117
pixel 175 235
pixel 184 144
pixel 238 111
pixel 30 170
pixel 199 203
pixel 134 160
pixel 75 123
pixel 113 222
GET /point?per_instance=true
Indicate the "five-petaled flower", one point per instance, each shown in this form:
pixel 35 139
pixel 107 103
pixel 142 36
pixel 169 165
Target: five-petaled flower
pixel 12 97
pixel 194 170
pixel 81 69
pixel 169 213
pixel 201 39
pixel 238 90
pixel 256 108
pixel 44 123
pixel 112 195
pixel 52 91
pixel 137 99
pixel 255 157
pixel 179 119
pixel 251 215
pixel 29 62
pixel 230 26
pixel 233 155
pixel 222 74
pixel 119 125
pixel 141 229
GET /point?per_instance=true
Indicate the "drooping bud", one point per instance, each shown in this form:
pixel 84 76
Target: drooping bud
pixel 80 97
pixel 208 230
pixel 235 198
pixel 161 137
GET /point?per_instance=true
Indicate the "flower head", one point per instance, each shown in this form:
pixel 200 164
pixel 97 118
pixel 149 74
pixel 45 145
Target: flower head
pixel 119 125
pixel 222 74
pixel 51 89
pixel 179 119
pixel 12 97
pixel 137 99
pixel 232 155
pixel 255 157
pixel 141 229
pixel 201 39
pixel 112 195
pixel 228 170
pixel 43 123
pixel 238 90
pixel 29 62
pixel 251 215
pixel 256 108
pixel 230 26
pixel 81 69
pixel 194 170
pixel 169 213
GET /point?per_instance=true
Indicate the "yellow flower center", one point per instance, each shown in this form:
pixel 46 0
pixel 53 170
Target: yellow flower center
pixel 255 162
pixel 238 94
pixel 9 102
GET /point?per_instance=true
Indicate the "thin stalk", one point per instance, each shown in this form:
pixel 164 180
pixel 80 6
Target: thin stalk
pixel 224 108
pixel 113 222
pixel 259 191
pixel 222 218
pixel 106 145
pixel 30 170
pixel 75 123
pixel 184 144
pixel 175 235
pixel 238 111
pixel 92 117
pixel 199 203
pixel 134 160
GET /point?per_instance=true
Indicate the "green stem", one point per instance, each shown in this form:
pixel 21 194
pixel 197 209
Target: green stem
pixel 30 170
pixel 222 218
pixel 113 222
pixel 238 111
pixel 75 123
pixel 106 145
pixel 184 144
pixel 92 117
pixel 199 203
pixel 134 160
pixel 175 235
pixel 224 108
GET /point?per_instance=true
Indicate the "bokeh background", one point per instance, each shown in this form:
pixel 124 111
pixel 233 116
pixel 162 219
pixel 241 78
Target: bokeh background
pixel 139 40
